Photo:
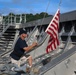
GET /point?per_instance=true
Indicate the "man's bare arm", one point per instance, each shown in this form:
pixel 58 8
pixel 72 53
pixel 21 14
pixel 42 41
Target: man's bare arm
pixel 30 47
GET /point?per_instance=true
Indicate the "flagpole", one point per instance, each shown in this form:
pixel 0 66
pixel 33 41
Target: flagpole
pixel 59 19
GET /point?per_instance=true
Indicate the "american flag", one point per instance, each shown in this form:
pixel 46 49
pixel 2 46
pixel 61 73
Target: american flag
pixel 52 30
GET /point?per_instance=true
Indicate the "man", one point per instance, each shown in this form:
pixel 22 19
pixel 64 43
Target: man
pixel 20 48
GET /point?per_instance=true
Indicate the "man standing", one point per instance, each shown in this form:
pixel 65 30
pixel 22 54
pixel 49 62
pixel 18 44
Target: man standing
pixel 20 48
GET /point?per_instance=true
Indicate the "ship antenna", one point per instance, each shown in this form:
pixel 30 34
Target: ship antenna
pixel 60 3
pixel 42 23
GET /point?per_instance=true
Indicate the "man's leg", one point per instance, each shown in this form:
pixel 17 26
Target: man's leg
pixel 27 58
pixel 30 60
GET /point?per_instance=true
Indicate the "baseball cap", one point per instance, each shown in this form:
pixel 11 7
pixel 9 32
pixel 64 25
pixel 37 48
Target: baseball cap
pixel 22 30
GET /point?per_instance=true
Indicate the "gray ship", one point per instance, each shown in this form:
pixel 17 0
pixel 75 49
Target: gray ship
pixel 58 62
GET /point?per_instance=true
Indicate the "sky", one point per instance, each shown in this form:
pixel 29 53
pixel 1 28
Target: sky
pixel 36 6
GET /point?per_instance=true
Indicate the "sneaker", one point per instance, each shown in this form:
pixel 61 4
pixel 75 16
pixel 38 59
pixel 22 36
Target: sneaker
pixel 29 66
pixel 13 69
pixel 18 70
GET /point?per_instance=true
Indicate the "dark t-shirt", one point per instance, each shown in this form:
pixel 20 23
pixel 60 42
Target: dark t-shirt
pixel 18 49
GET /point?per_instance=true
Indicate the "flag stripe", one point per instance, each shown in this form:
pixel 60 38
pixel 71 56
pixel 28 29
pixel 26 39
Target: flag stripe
pixel 50 34
pixel 55 23
pixel 54 34
pixel 56 18
pixel 54 30
pixel 54 27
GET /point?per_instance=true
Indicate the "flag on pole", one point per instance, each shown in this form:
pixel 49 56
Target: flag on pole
pixel 52 30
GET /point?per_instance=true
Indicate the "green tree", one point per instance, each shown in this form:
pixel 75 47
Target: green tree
pixel 31 17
